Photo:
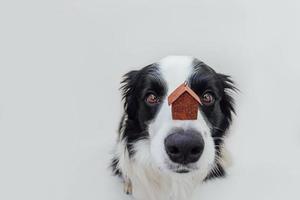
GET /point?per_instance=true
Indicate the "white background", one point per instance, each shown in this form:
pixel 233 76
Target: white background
pixel 60 67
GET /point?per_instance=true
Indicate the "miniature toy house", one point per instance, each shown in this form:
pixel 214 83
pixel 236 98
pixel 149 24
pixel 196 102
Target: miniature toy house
pixel 185 103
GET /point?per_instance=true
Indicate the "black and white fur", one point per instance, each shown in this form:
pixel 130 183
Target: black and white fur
pixel 140 158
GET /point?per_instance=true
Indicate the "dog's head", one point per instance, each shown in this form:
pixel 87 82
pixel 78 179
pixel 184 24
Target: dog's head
pixel 176 146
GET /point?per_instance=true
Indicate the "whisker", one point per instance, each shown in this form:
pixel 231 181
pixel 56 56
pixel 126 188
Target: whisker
pixel 218 128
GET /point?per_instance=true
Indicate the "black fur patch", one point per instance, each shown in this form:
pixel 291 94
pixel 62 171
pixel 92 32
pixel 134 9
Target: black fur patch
pixel 114 166
pixel 220 113
pixel 135 87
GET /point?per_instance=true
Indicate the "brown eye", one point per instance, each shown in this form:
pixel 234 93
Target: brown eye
pixel 207 99
pixel 152 99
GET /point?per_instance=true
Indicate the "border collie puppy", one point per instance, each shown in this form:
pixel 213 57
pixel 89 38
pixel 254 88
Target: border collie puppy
pixel 159 158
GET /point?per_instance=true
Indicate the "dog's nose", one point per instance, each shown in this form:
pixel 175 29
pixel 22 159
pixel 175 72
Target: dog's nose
pixel 184 146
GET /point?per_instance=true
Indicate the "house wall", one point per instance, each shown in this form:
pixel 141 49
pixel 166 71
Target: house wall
pixel 185 107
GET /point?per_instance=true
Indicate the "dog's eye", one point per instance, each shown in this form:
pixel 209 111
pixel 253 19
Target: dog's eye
pixel 152 99
pixel 208 99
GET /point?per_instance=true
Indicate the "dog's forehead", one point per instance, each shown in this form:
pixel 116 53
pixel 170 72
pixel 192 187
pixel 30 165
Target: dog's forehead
pixel 175 70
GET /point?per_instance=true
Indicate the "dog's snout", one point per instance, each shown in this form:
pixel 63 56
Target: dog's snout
pixel 184 146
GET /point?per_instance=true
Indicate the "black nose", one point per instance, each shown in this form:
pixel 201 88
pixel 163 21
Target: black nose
pixel 184 146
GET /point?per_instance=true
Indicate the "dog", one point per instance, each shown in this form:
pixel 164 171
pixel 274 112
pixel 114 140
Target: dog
pixel 157 157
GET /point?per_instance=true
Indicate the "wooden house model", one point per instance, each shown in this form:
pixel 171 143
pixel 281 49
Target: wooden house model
pixel 185 103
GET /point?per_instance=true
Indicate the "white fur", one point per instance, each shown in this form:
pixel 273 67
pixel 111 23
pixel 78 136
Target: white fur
pixel 148 170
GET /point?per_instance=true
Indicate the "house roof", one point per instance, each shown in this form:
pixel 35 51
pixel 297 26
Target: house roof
pixel 179 91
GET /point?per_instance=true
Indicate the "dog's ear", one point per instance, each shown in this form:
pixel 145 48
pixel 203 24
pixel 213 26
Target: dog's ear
pixel 129 93
pixel 227 101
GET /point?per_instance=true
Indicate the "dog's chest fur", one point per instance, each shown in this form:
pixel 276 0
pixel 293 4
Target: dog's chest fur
pixel 149 183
